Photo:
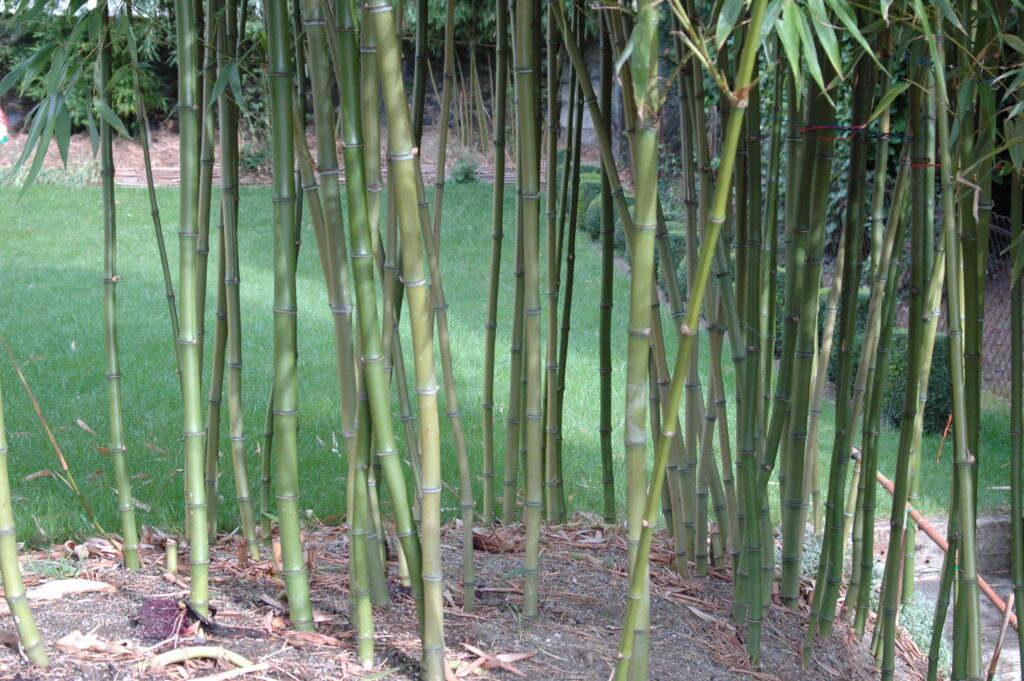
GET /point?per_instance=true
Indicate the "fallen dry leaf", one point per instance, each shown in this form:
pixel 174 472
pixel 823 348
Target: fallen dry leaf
pixel 45 473
pixel 85 426
pixel 59 588
pixel 300 638
pixel 77 642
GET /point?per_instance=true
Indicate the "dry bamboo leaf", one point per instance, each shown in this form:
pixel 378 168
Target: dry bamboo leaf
pixel 85 426
pixel 60 588
pixel 301 638
pixel 45 473
pixel 77 642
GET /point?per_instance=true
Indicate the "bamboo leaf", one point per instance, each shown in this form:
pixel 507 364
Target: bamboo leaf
pixel 110 116
pixel 847 18
pixel 227 76
pixel 627 51
pixel 1015 129
pixel 790 36
pixel 885 5
pixel 771 15
pixel 951 16
pixel 810 52
pixel 727 19
pixel 887 99
pixel 62 131
pixel 94 134
pixel 1014 41
pixel 48 121
pixel 826 34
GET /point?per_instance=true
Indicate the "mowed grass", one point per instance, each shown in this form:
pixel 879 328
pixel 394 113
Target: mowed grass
pixel 51 315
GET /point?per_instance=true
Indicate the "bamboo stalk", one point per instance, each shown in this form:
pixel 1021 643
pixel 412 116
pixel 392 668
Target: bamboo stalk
pixel 188 341
pixel 1017 408
pixel 285 392
pixel 403 161
pixel 125 502
pixel 712 231
pixel 606 300
pixel 497 238
pixel 14 590
pixel 228 109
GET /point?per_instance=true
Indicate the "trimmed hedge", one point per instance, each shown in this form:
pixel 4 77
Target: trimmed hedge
pixel 940 402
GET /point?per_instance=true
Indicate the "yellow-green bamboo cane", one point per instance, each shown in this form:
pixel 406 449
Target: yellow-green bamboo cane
pixel 281 76
pixel 228 110
pixel 527 84
pixel 403 159
pixel 963 458
pixel 14 590
pixel 712 231
pixel 188 341
pixel 125 502
pixel 497 238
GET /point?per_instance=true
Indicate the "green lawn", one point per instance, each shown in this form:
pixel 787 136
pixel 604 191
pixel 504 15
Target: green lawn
pixel 50 297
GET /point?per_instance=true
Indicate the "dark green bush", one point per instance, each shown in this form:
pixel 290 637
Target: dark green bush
pixel 940 401
pixel 939 404
pixel 24 39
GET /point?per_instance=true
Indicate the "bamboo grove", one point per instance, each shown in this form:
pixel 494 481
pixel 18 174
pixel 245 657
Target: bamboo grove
pixel 911 110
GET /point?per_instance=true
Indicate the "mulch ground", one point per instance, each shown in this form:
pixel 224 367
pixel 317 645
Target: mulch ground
pixel 101 635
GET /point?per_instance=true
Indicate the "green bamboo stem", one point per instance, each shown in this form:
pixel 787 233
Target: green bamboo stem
pixel 527 83
pixel 422 67
pixel 154 206
pixel 446 109
pixel 266 479
pixel 606 300
pixel 359 567
pixel 570 275
pixel 285 392
pixel 808 244
pixel 923 215
pixel 1017 407
pixel 553 268
pixel 820 379
pixel 403 164
pixel 207 122
pixel 712 231
pixel 513 421
pixel 885 277
pixel 189 345
pixel 831 562
pixel 964 461
pixel 647 108
pixel 228 110
pixel 369 105
pixel 440 315
pixel 14 590
pixel 349 70
pixel 497 238
pixel 125 503
pixel 331 238
pixel 213 409
pixel 922 342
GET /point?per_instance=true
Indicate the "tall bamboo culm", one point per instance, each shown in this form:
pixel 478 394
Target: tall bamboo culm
pixel 494 272
pixel 285 393
pixel 118 451
pixel 189 344
pixel 403 160
pixel 10 571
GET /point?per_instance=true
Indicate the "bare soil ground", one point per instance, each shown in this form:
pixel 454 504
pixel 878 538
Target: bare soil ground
pixel 583 586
